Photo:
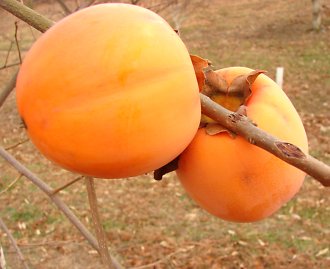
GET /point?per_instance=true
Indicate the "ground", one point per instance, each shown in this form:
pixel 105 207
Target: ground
pixel 153 224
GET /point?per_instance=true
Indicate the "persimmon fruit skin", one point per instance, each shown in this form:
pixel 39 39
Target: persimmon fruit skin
pixel 109 91
pixel 235 180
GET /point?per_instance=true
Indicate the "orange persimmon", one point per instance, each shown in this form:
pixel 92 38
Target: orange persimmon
pixel 109 91
pixel 235 180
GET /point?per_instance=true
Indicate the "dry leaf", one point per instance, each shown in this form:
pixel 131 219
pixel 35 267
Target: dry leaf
pixel 214 83
pixel 229 96
pixel 240 87
pixel 322 252
pixel 199 65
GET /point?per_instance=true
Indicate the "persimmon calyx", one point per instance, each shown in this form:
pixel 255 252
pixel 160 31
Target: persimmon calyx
pixel 200 65
pixel 232 96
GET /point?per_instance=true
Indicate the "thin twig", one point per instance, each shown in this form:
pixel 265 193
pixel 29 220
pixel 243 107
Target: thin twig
pixel 242 125
pixel 17 144
pixel 79 7
pixel 13 242
pixel 48 190
pixel 56 200
pixel 65 8
pixel 5 66
pixel 49 243
pixel 8 53
pixel 67 185
pixel 11 184
pixel 162 260
pixel 17 43
pixel 100 234
pixel 8 89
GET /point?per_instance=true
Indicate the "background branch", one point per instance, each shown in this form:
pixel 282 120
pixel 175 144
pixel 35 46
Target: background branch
pixel 64 7
pixel 8 89
pixel 49 191
pixel 13 242
pixel 26 14
pixel 56 200
pixel 100 234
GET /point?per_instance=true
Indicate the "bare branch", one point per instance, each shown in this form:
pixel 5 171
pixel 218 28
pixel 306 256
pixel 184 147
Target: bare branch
pixel 8 53
pixel 48 190
pixel 26 14
pixel 241 125
pixel 67 185
pixel 91 2
pixel 13 242
pixel 56 200
pixel 65 8
pixel 17 44
pixel 100 234
pixel 17 144
pixel 8 89
pixel 11 184
pixel 5 66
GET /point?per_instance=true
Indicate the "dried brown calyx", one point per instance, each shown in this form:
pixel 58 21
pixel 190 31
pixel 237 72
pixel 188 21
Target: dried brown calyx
pixel 233 96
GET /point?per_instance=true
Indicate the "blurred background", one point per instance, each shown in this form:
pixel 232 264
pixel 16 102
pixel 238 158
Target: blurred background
pixel 153 224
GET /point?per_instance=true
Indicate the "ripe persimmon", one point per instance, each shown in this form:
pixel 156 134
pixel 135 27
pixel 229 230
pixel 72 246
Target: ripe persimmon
pixel 235 180
pixel 109 91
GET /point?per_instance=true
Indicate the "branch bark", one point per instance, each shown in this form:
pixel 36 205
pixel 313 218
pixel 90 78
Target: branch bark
pixel 241 125
pixel 27 15
pixel 100 234
pixel 56 200
pixel 64 7
pixel 8 89
pixel 49 191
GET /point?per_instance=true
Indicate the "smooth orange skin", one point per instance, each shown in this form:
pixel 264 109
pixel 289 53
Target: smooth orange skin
pixel 109 91
pixel 235 180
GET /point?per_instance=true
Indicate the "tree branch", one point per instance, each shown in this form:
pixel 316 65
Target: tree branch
pixel 100 234
pixel 8 89
pixel 13 242
pixel 56 200
pixel 64 7
pixel 241 125
pixel 26 14
pixel 49 191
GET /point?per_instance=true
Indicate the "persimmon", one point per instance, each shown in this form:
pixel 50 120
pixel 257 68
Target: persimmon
pixel 235 180
pixel 110 92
